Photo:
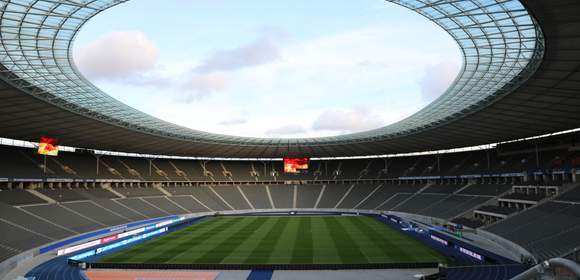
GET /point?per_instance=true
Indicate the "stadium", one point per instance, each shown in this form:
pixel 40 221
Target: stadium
pixel 482 183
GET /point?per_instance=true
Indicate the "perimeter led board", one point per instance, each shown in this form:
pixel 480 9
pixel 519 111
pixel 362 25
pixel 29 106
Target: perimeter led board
pixel 296 165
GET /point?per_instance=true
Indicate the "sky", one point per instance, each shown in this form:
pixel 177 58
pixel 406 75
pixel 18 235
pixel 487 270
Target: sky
pixel 258 68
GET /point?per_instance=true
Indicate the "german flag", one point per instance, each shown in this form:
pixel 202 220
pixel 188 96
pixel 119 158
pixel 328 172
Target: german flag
pixel 48 146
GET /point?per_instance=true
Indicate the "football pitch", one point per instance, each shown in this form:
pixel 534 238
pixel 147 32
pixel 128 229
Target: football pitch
pixel 280 240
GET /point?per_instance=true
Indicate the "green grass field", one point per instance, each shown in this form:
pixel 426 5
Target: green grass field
pixel 280 240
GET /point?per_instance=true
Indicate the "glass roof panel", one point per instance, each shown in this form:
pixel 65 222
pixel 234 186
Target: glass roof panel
pixel 502 45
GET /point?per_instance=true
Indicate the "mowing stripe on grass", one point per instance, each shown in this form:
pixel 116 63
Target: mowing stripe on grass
pixel 324 249
pixel 197 246
pixel 347 249
pixel 239 256
pixel 405 247
pixel 419 251
pixel 166 251
pixel 261 253
pixel 284 240
pixel 303 244
pixel 162 241
pixel 381 240
pixel 145 250
pixel 230 243
pixel 282 252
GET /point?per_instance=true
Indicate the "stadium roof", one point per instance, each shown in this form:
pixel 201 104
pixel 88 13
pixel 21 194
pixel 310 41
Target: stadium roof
pixel 520 78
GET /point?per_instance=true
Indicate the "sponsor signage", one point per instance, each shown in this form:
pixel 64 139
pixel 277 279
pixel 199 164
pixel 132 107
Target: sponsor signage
pixel 111 238
pixel 118 244
pixel 78 247
pixel 440 240
pixel 131 232
pixel 471 253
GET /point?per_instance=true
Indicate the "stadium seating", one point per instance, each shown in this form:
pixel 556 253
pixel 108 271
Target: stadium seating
pixel 209 198
pixel 393 201
pixel 95 212
pixel 120 209
pixel 62 195
pixel 43 227
pixel 19 197
pixel 257 195
pixel 19 239
pixel 523 196
pixel 486 189
pixel 386 193
pixel 487 272
pixel 572 195
pixel 58 214
pixel 143 207
pixel 189 203
pixel 233 196
pixel 443 189
pixel 498 209
pixel 472 223
pixel 132 189
pixel 307 195
pixel 332 195
pixel 96 193
pixel 543 229
pixel 166 205
pixel 86 209
pixel 138 192
pixel 282 195
pixel 357 194
pixel 453 206
pixel 23 163
pixel 419 202
pixel 240 170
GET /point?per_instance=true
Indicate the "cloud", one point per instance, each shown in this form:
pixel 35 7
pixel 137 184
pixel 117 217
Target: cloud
pixel 353 120
pixel 265 83
pixel 286 130
pixel 437 79
pixel 117 56
pixel 199 86
pixel 130 57
pixel 184 87
pixel 263 50
pixel 233 122
pixel 211 75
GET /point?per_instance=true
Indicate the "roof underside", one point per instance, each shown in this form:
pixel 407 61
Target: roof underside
pixel 518 81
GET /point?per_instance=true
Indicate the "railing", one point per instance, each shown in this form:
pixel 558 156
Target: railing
pixel 554 266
